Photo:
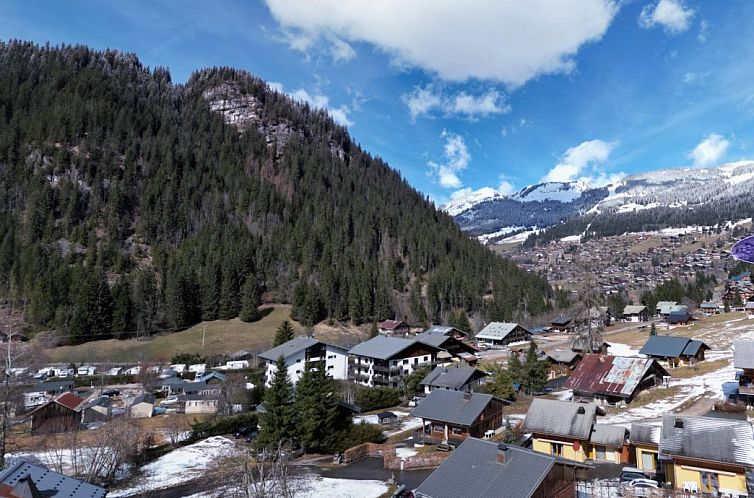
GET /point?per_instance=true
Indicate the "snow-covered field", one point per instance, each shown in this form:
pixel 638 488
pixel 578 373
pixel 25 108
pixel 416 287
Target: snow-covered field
pixel 313 486
pixel 406 421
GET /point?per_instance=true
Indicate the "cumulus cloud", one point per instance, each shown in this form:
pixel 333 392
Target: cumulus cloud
pixel 456 158
pixel 429 101
pixel 339 113
pixel 582 162
pixel 673 15
pixel 508 42
pixel 506 187
pixel 710 150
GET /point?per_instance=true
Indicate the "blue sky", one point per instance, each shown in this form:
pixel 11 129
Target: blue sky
pixel 463 95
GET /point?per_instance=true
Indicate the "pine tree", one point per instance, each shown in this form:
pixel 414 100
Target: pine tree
pixel 230 305
pixel 462 322
pixel 92 308
pixel 501 385
pixel 122 323
pixel 279 423
pixel 516 369
pixel 283 334
pixel 535 370
pixel 250 301
pixel 374 331
pixel 316 408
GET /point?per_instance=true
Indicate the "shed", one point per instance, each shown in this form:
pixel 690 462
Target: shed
pixel 387 418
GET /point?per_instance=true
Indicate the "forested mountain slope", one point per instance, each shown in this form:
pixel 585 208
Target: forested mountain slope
pixel 130 204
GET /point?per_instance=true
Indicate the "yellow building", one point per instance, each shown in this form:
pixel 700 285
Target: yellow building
pixel 645 441
pixel 708 455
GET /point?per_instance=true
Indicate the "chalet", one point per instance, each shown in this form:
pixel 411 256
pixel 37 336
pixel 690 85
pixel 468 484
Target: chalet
pixel 743 360
pixel 562 363
pixel 449 331
pixel 449 417
pixel 561 428
pixel 610 379
pixel 632 313
pixel 674 351
pixel 394 327
pixel 453 379
pixel 387 418
pixel 707 455
pixel 457 349
pixel 749 309
pixel 679 314
pixel 608 443
pixel 563 324
pixel 485 469
pixel 385 361
pixel 663 308
pixel 197 403
pixel 581 345
pixel 142 406
pixel 709 308
pixel 97 410
pixel 299 352
pixel 601 315
pixel 12 337
pixel 501 334
pixel 645 442
pixel 26 480
pixel 62 413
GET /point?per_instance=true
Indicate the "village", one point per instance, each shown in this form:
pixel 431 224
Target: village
pixel 648 403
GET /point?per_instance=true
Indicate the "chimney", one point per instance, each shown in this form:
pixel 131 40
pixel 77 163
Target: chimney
pixel 502 448
pixel 581 410
pixel 678 423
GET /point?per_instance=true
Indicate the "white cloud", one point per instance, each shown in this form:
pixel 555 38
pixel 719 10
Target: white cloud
pixel 703 31
pixel 428 101
pixel 461 193
pixel 673 15
pixel 340 51
pixel 339 114
pixel 582 162
pixel 506 187
pixel 510 42
pixel 456 159
pixel 710 150
pixel 276 85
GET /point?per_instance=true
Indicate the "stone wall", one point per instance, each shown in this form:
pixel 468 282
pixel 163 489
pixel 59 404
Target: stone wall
pixel 390 460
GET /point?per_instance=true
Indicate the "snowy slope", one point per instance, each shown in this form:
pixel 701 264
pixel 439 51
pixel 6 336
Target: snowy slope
pixel 458 206
pixel 552 191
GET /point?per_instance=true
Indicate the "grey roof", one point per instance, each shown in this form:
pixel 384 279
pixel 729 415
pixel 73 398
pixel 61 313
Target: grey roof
pixel 709 305
pixel 452 406
pixel 608 435
pixel 496 330
pixel 433 339
pixel 645 434
pixel 560 356
pixel 103 401
pixel 743 354
pixel 472 470
pixel 382 347
pixel 633 309
pixel 290 348
pixel 50 483
pixel 144 398
pixel 665 346
pixel 665 306
pixel 444 330
pixel 707 438
pixel 450 377
pixel 693 347
pixel 561 418
pixel 749 305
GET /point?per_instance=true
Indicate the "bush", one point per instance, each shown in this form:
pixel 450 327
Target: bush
pixel 361 433
pixel 223 425
pixel 374 398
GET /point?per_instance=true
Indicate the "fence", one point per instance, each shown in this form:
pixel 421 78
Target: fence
pixel 614 489
pixel 390 459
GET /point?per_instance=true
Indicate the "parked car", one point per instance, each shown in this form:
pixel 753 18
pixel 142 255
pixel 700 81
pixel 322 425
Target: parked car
pixel 641 488
pixel 415 401
pixel 629 474
pixel 170 400
pixel 110 392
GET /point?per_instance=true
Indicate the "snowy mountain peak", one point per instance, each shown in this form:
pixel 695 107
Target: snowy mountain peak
pixel 466 202
pixel 553 191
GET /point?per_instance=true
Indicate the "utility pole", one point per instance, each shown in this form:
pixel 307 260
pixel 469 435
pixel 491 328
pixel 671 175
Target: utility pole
pixel 204 333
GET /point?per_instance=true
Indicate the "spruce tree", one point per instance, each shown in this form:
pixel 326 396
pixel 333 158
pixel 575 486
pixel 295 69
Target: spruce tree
pixel 279 423
pixel 316 408
pixel 535 370
pixel 462 322
pixel 230 304
pixel 501 385
pixel 122 323
pixel 250 301
pixel 516 369
pixel 283 334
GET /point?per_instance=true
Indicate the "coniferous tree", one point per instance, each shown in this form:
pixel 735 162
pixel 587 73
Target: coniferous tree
pixel 279 423
pixel 230 304
pixel 535 370
pixel 92 308
pixel 122 323
pixel 516 369
pixel 501 385
pixel 316 408
pixel 283 334
pixel 250 301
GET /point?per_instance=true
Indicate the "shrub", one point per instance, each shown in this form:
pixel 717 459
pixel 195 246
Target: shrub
pixel 374 398
pixel 360 433
pixel 223 425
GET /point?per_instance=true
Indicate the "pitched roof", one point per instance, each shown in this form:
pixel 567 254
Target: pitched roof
pixel 451 377
pixel 496 330
pixel 561 418
pixel 382 347
pixel 69 400
pixel 472 470
pixel 144 398
pixel 665 346
pixel 743 354
pixel 611 375
pixel 693 347
pixel 707 438
pixel 444 330
pixel 393 324
pixel 452 406
pixel 104 401
pixel 633 309
pixel 645 434
pixel 433 339
pixel 289 348
pixel 50 483
pixel 563 356
pixel 665 306
pixel 608 435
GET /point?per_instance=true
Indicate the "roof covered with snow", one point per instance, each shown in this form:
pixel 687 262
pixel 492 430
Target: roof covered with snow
pixel 707 438
pixel 561 418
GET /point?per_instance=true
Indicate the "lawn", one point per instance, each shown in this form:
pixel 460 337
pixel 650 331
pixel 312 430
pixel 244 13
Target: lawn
pixel 702 368
pixel 222 336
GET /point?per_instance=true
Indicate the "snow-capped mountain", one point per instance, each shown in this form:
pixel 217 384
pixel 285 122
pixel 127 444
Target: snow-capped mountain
pixel 458 206
pixel 660 198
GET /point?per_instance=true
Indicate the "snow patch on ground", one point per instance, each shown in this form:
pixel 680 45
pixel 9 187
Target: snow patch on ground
pixel 618 349
pixel 487 236
pixel 327 487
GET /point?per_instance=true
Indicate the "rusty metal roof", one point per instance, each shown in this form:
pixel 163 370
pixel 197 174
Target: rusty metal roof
pixel 610 375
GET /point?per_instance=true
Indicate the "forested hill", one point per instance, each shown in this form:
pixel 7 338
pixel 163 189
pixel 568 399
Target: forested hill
pixel 131 204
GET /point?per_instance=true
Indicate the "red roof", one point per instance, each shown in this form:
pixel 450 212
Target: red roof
pixel 611 375
pixel 69 400
pixel 393 324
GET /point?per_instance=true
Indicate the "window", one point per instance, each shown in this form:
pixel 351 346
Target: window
pixel 330 367
pixel 438 428
pixel 556 449
pixel 405 362
pixel 457 431
pixel 298 371
pixel 647 461
pixel 330 356
pixel 709 481
pixel 600 453
pixel 298 361
pixel 426 358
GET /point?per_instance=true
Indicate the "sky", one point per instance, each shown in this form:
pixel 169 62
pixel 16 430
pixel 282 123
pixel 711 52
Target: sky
pixel 463 95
